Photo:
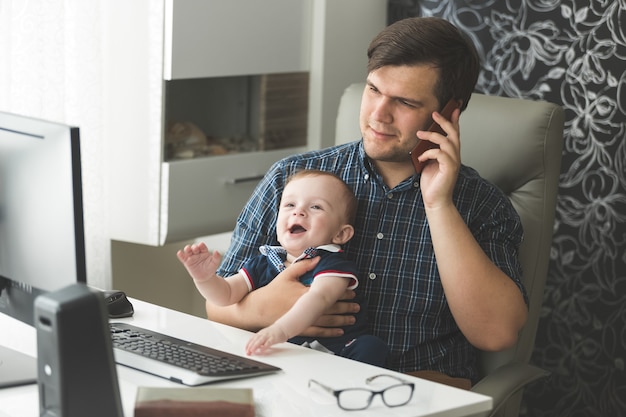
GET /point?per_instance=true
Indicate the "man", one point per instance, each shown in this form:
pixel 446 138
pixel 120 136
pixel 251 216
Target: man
pixel 437 250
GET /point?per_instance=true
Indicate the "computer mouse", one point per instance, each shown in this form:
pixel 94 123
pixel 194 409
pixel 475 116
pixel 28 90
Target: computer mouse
pixel 117 304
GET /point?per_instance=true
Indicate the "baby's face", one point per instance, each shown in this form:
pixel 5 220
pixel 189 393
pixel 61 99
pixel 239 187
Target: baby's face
pixel 311 213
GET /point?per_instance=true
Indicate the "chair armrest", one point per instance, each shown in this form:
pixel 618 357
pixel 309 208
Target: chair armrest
pixel 505 381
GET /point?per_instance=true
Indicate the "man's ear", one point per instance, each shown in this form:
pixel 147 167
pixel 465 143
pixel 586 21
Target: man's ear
pixel 345 234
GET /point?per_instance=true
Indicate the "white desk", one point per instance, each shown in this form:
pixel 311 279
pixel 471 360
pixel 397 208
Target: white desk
pixel 283 394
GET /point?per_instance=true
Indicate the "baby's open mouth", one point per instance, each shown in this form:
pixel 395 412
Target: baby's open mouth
pixel 296 228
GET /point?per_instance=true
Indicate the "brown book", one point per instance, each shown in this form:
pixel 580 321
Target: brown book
pixel 194 402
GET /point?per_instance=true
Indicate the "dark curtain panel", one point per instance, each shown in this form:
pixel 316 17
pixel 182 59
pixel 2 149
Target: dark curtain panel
pixel 572 53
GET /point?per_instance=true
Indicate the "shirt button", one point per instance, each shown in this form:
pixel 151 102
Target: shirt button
pixel 371 276
pixel 367 177
pixel 416 184
pixel 390 196
pixel 380 236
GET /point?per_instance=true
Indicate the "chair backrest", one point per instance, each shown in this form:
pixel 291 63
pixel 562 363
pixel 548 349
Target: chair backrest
pixel 516 144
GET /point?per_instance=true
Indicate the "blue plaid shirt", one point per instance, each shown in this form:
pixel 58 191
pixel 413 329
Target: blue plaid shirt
pixel 392 246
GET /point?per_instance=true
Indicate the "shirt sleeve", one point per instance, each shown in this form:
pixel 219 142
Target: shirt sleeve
pixel 499 233
pixel 337 265
pixel 254 271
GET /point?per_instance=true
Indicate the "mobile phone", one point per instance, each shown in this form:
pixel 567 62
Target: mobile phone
pixel 424 145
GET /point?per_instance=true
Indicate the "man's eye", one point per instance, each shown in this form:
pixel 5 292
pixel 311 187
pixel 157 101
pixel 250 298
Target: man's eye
pixel 316 207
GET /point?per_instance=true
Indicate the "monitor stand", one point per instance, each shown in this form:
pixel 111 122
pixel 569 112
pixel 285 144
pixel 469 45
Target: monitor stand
pixel 16 368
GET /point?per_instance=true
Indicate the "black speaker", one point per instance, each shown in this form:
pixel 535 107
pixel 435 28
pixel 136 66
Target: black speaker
pixel 76 369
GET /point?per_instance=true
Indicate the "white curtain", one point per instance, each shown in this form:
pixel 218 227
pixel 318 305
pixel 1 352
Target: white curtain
pixel 51 67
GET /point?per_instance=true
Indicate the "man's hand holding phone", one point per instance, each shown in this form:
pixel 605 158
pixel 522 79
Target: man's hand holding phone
pixel 424 145
pixel 439 168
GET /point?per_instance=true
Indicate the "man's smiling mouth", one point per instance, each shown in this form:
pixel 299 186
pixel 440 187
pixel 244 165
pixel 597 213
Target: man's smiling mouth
pixel 381 130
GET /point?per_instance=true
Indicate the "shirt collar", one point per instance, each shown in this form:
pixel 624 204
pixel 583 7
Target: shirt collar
pixel 369 172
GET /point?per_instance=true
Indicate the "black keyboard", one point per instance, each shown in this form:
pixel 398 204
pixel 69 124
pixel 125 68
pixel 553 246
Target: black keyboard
pixel 178 360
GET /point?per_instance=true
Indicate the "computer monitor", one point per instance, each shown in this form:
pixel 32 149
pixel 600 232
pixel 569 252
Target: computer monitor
pixel 42 245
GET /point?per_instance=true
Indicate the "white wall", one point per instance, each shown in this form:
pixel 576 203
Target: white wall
pixel 341 32
pixel 51 67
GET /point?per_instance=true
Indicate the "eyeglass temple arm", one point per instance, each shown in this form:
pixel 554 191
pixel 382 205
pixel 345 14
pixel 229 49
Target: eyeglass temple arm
pixel 372 378
pixel 324 387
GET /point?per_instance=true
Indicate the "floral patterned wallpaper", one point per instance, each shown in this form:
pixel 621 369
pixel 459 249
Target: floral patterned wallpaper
pixel 570 52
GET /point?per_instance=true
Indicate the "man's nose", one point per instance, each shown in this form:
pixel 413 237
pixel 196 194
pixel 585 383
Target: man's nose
pixel 381 110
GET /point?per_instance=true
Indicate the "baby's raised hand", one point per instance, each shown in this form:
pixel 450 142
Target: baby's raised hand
pixel 199 262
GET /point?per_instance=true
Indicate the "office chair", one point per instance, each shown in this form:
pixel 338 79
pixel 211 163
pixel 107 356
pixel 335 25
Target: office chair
pixel 516 144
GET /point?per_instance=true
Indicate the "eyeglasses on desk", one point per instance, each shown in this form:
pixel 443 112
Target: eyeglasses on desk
pixel 352 399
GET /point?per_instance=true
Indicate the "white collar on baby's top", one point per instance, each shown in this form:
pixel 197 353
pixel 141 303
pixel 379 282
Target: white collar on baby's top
pixel 331 247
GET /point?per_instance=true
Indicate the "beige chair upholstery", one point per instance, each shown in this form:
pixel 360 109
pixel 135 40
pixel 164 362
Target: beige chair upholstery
pixel 516 144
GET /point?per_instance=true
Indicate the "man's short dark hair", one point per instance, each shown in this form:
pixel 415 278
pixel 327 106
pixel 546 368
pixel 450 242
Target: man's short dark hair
pixel 434 41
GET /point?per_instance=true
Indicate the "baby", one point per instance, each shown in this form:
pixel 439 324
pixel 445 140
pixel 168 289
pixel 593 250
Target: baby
pixel 315 217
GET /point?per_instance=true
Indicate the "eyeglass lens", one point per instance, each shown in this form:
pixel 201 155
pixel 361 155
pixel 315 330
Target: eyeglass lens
pixel 397 395
pixel 355 399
